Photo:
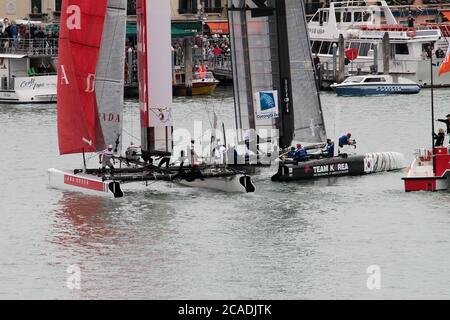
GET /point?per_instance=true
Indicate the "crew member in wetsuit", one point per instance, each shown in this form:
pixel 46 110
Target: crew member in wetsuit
pixel 329 148
pixel 164 161
pixel 105 158
pixel 194 173
pixel 301 155
pixel 345 140
pixel 447 122
pixel 291 154
pixel 180 174
pixel 440 137
pixel 132 153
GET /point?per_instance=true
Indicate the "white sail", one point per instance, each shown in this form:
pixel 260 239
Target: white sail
pixel 109 78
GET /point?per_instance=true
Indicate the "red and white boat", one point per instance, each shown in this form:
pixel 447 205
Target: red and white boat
pixel 430 171
pixel 90 99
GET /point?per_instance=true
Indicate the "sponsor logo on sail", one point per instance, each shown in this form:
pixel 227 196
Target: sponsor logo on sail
pixel 267 105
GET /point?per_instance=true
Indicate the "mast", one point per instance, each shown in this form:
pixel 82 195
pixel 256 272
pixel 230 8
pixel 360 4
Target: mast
pixel 155 77
pixel 286 122
pixel 432 108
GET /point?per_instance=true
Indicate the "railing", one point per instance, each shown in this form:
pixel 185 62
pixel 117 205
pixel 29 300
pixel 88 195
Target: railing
pixel 35 47
pixel 222 62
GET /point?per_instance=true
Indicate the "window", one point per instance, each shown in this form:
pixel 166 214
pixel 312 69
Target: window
pixel 187 6
pixel 364 49
pixel 401 48
pixel 325 17
pixel 36 6
pixel 316 17
pixel 131 9
pixel 58 5
pixel 357 16
pixel 325 47
pixel 355 45
pixel 213 6
pixel 347 17
pixel 353 80
pixel 375 80
pixel 367 16
pixel 316 46
pixel 338 16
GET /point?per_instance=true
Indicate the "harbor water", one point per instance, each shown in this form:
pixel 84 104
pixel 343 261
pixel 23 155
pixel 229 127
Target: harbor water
pixel 304 240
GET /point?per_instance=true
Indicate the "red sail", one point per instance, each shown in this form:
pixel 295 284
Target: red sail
pixel 82 24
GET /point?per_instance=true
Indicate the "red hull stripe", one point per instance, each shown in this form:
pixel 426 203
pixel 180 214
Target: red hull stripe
pixel 412 184
pixel 85 183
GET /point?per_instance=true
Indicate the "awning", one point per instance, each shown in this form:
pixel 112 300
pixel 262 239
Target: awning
pixel 131 29
pixel 12 56
pixel 186 29
pixel 179 29
pixel 218 27
pixel 446 14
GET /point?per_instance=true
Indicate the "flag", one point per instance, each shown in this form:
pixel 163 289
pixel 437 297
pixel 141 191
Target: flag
pixel 445 66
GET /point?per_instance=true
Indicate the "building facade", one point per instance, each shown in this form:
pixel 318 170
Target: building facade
pixel 43 10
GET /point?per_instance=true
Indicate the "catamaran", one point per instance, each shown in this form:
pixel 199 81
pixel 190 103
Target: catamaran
pixel 90 104
pixel 275 88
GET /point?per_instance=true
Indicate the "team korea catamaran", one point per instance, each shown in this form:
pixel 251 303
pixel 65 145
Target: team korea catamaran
pixel 90 100
pixel 275 88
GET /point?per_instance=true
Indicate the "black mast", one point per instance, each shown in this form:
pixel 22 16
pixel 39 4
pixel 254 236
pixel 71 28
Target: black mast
pixel 286 121
pixel 432 108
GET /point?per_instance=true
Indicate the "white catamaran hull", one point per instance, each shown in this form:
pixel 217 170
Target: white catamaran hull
pixel 87 184
pixel 233 184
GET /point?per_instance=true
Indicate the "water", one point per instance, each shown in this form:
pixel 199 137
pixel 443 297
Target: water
pixel 287 241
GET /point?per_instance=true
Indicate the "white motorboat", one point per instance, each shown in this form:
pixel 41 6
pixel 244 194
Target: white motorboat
pixel 375 85
pixel 28 71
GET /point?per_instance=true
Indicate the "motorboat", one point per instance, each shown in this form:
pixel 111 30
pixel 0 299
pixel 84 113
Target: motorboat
pixel 375 85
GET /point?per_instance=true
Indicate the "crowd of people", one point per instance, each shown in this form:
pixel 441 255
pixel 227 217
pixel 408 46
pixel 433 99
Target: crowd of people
pixel 19 35
pixel 204 48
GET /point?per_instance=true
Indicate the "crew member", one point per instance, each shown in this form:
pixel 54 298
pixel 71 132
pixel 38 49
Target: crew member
pixel 132 152
pixel 329 148
pixel 447 122
pixel 192 153
pixel 346 140
pixel 291 154
pixel 194 173
pixel 164 161
pixel 301 154
pixel 440 137
pixel 411 20
pixel 106 158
